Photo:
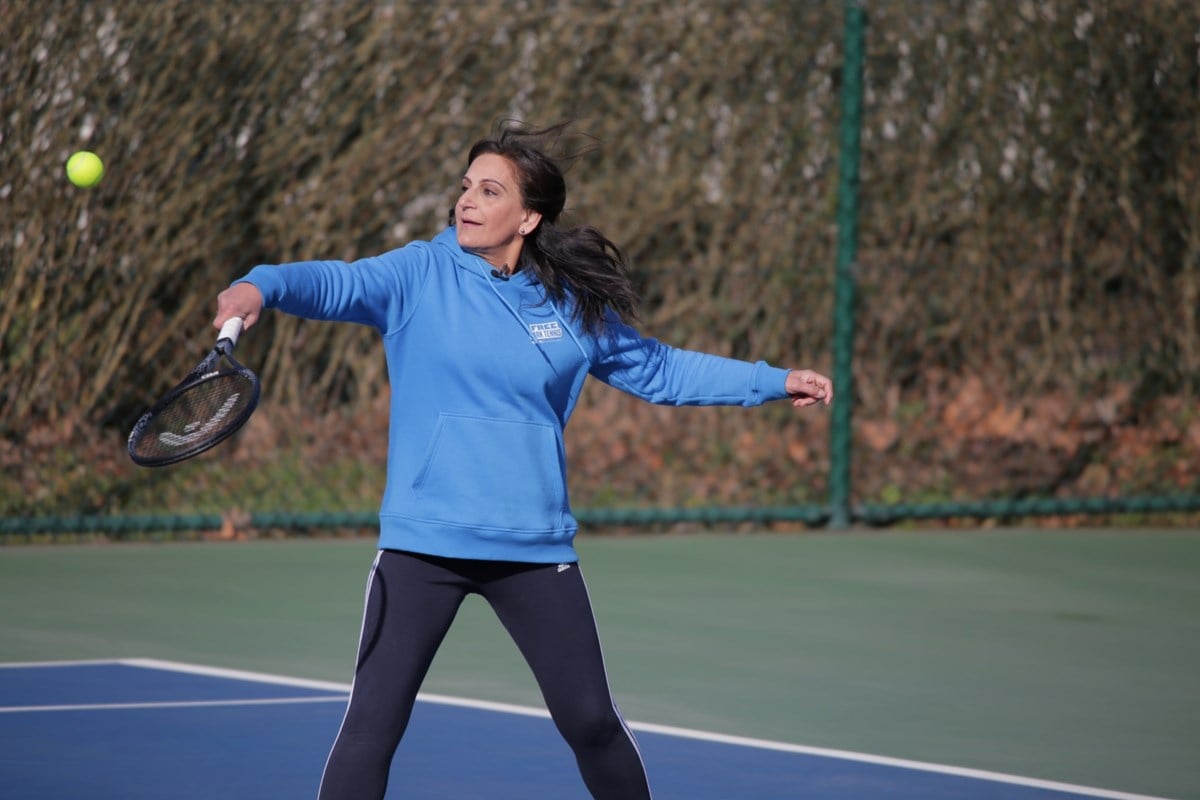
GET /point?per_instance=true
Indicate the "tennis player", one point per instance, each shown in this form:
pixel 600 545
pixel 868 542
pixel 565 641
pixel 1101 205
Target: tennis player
pixel 490 330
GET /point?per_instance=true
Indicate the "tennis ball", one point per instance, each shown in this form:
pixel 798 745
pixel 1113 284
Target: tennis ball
pixel 85 169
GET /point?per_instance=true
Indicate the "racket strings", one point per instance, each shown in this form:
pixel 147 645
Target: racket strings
pixel 200 414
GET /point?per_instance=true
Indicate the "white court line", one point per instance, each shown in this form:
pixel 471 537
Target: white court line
pixel 235 674
pixel 274 701
pixel 665 730
pixel 43 664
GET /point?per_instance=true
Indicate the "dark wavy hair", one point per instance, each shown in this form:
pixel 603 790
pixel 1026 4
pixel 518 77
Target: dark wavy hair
pixel 579 265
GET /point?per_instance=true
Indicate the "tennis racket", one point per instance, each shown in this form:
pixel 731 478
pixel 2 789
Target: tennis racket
pixel 205 408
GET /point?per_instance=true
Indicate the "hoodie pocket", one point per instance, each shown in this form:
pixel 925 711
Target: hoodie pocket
pixel 492 473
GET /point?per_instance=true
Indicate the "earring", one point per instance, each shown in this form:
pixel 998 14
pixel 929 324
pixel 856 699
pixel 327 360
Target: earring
pixel 521 231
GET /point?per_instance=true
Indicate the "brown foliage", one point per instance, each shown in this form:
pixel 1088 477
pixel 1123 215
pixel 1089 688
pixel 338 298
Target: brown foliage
pixel 1029 257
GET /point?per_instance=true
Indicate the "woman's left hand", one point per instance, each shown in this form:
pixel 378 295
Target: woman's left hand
pixel 807 388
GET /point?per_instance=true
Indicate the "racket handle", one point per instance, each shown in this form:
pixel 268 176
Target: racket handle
pixel 231 330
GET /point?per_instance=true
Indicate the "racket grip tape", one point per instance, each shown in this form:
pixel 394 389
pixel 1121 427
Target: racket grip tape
pixel 231 330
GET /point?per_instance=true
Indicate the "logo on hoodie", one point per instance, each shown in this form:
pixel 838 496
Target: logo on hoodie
pixel 545 331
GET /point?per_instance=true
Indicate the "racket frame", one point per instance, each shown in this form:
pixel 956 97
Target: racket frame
pixel 210 368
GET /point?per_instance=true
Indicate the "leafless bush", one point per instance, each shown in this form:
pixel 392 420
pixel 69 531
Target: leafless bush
pixel 1030 210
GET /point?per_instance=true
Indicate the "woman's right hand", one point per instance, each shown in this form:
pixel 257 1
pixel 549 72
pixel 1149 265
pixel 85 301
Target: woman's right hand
pixel 240 300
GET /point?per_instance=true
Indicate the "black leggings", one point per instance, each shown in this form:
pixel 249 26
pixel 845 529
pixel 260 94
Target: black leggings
pixel 411 601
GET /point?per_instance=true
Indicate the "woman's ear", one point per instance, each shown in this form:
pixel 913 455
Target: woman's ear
pixel 529 222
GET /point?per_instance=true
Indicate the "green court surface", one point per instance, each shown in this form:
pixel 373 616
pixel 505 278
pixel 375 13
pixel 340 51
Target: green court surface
pixel 1064 656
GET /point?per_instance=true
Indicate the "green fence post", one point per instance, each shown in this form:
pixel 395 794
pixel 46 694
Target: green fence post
pixel 847 255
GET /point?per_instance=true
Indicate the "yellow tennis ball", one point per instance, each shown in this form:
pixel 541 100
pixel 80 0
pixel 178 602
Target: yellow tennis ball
pixel 85 169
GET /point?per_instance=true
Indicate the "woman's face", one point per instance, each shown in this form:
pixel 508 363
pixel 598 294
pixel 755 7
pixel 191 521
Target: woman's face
pixel 490 215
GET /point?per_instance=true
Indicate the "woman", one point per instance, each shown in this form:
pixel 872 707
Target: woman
pixel 490 330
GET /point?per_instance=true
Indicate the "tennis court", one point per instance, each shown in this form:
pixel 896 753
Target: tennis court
pixel 152 729
pixel 1024 665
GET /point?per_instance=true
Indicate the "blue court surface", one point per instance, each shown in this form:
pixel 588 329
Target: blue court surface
pixel 135 729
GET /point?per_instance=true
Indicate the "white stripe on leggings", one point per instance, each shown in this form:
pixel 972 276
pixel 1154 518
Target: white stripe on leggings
pixel 362 632
pixel 604 668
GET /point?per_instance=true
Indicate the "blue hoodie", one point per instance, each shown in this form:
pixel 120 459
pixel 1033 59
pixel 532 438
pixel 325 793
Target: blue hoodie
pixel 484 376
